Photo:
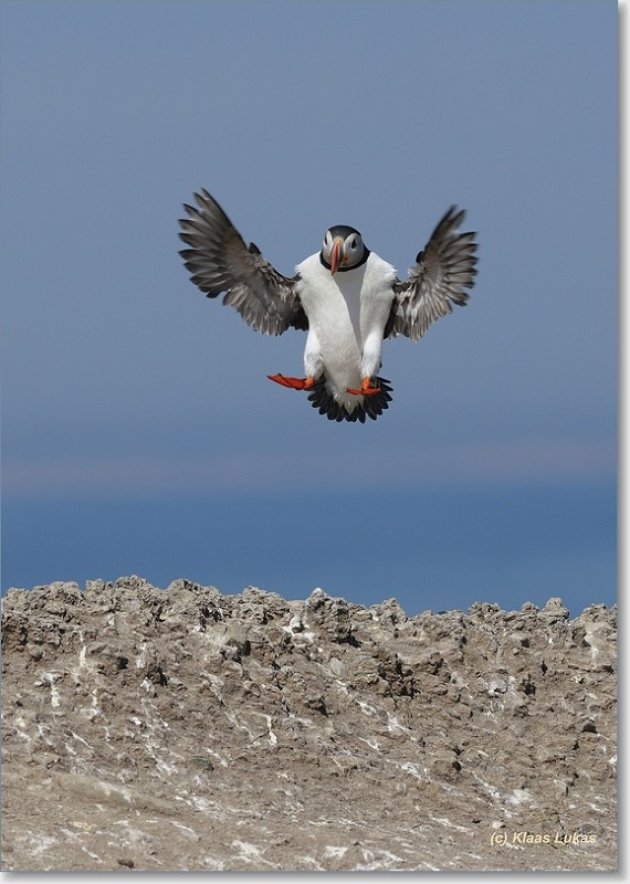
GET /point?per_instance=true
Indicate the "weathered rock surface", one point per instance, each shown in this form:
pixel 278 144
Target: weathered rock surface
pixel 181 729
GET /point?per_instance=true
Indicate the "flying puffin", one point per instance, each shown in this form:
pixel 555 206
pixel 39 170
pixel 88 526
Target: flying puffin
pixel 345 297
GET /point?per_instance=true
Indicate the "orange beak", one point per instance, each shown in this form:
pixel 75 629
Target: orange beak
pixel 335 255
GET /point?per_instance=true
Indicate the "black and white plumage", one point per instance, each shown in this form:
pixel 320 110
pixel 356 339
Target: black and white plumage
pixel 346 297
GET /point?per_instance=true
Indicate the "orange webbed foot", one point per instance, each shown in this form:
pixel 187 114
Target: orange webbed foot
pixel 366 389
pixel 292 383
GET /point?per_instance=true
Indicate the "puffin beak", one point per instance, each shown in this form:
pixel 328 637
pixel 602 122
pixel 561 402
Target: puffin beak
pixel 335 255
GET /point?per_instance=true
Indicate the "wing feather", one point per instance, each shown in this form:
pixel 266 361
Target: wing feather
pixel 442 273
pixel 219 262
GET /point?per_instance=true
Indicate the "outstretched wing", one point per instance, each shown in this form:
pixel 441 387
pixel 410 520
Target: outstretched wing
pixel 443 272
pixel 219 262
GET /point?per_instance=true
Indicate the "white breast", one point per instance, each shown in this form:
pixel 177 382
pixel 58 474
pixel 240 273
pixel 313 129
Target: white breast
pixel 346 312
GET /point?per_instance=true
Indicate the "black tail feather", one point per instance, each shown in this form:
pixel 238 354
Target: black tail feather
pixel 371 406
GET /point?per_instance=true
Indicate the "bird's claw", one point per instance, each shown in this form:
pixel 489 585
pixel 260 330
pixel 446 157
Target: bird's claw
pixel 292 383
pixel 366 389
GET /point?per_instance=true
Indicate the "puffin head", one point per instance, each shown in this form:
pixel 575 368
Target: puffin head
pixel 343 249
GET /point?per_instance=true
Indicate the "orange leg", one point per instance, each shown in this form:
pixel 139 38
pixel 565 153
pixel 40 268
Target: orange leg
pixel 292 383
pixel 366 389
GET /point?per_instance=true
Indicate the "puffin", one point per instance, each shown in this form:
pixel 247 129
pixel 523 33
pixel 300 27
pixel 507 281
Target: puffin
pixel 345 297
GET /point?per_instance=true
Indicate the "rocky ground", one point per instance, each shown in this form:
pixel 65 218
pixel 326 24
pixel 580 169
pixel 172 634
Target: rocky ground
pixel 182 729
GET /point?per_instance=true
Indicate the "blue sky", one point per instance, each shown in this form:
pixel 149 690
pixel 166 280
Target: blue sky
pixel 140 434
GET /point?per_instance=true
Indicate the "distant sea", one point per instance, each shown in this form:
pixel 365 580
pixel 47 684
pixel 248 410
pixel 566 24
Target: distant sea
pixel 434 548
